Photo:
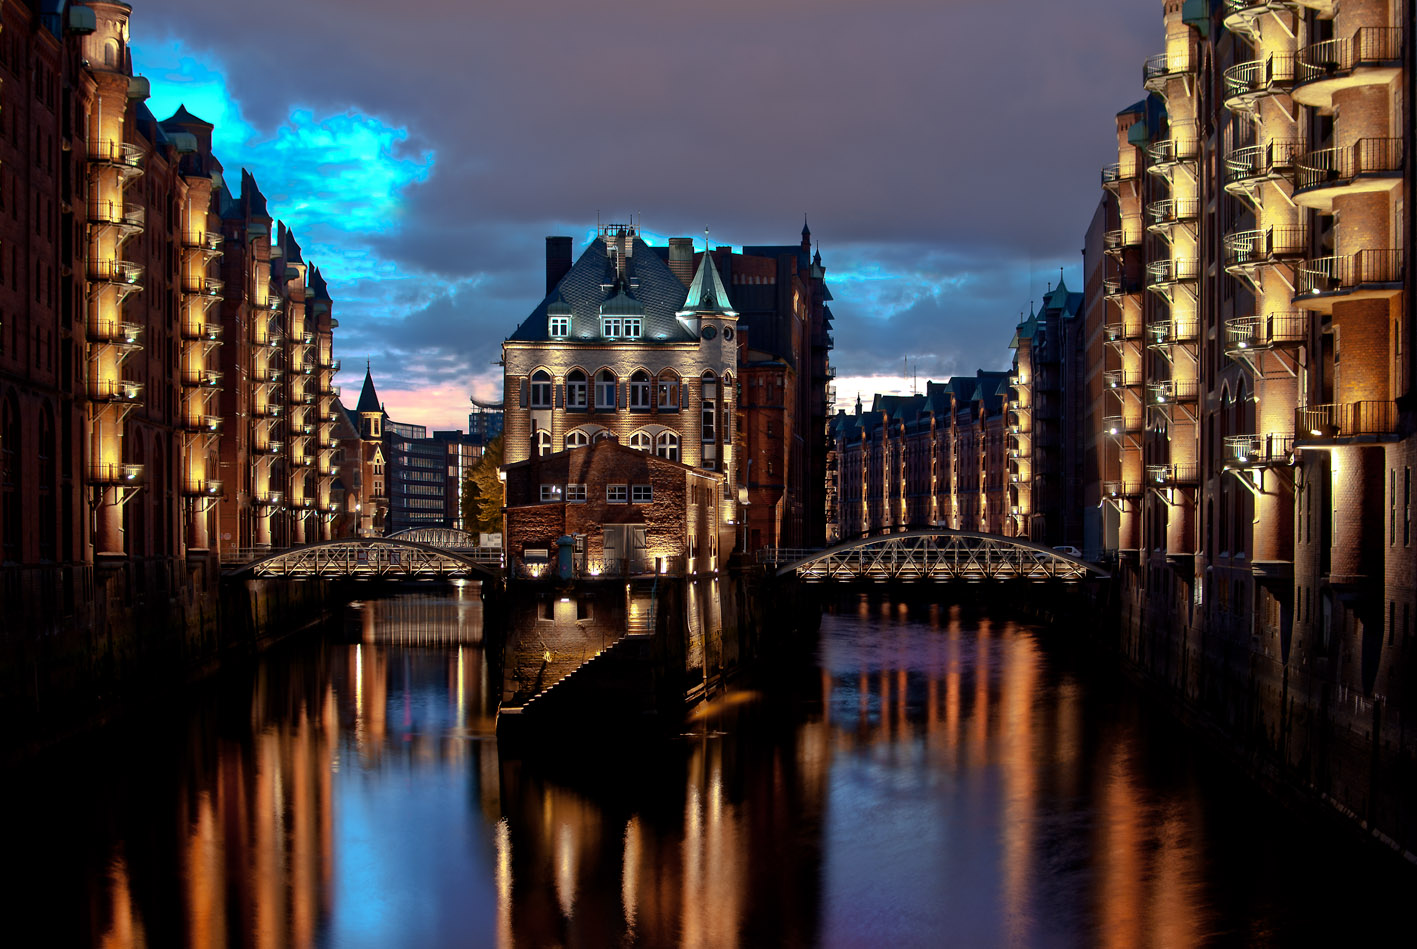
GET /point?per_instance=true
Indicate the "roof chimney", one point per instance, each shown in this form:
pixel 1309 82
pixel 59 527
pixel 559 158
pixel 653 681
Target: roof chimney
pixel 681 258
pixel 558 260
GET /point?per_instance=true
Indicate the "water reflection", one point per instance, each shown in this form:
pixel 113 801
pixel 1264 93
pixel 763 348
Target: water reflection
pixel 936 777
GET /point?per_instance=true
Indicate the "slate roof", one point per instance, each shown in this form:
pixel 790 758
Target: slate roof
pixel 706 292
pixel 368 398
pixel 318 289
pixel 591 282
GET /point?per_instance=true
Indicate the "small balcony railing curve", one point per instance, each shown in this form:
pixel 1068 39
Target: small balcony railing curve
pixel 1247 82
pixel 1117 330
pixel 115 331
pixel 1120 425
pixel 1265 332
pixel 1265 246
pixel 1187 473
pixel 122 272
pixel 1257 451
pixel 1344 274
pixel 1338 58
pixel 1254 163
pixel 1121 489
pixel 116 390
pixel 1162 67
pixel 116 474
pixel 1345 420
pixel 121 154
pixel 1173 390
pixel 1341 167
pixel 1121 378
pixel 1115 286
pixel 1166 152
pixel 1161 273
pixel 1172 211
pixel 1118 172
pixel 1166 332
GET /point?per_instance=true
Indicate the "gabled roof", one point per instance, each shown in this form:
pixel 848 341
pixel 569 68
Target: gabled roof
pixel 318 289
pixel 183 118
pixel 368 398
pixel 592 282
pixel 251 195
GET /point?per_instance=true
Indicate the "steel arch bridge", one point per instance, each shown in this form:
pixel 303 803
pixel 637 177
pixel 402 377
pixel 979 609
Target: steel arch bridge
pixel 935 555
pixel 370 558
pixel 447 538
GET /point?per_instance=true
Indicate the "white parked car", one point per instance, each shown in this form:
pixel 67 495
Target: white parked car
pixel 1070 550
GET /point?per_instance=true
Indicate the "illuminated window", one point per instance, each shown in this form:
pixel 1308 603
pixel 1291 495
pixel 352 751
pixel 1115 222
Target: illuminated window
pixel 642 493
pixel 617 493
pixel 611 327
pixel 541 389
pixel 667 445
pixel 577 439
pixel 639 391
pixel 560 327
pixel 543 443
pixel 577 388
pixel 632 327
pixel 550 493
pixel 605 435
pixel 605 383
pixel 707 416
pixel 640 441
pixel 575 492
pixel 668 392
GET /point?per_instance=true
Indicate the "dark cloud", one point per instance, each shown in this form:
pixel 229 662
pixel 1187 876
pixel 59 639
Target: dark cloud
pixel 900 125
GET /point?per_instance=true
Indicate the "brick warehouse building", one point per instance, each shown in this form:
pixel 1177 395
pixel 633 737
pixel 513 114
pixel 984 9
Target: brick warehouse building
pixel 135 292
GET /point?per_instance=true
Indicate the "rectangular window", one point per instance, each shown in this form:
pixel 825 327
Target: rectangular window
pixel 616 493
pixel 611 327
pixel 560 327
pixel 708 416
pixel 575 492
pixel 550 493
pixel 632 327
pixel 642 493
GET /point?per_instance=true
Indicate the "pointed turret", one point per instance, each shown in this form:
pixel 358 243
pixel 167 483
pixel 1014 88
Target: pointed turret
pixel 318 288
pixel 368 397
pixel 806 234
pixel 251 196
pixel 707 296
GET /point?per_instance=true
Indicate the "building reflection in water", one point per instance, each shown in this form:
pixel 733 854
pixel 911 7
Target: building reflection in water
pixel 938 773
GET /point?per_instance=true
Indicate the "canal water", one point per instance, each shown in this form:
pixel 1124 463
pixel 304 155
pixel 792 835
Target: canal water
pixel 933 777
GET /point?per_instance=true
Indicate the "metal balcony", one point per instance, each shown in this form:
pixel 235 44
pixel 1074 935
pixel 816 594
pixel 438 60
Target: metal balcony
pixel 1249 167
pixel 1184 474
pixel 271 499
pixel 1368 274
pixel 329 391
pixel 1162 274
pixel 121 272
pixel 273 341
pixel 1115 174
pixel 1120 379
pixel 115 331
pixel 1243 16
pixel 203 240
pixel 332 365
pixel 1167 153
pixel 1120 238
pixel 117 154
pixel 1117 490
pixel 1247 250
pixel 202 424
pixel 209 332
pixel 1119 286
pixel 117 214
pixel 201 379
pixel 1118 425
pixel 1172 391
pixel 1167 213
pixel 203 285
pixel 1371 56
pixel 1248 333
pixel 273 446
pixel 301 461
pixel 1369 164
pixel 1369 420
pixel 1121 330
pixel 1258 451
pixel 202 489
pixel 1247 83
pixel 1161 68
pixel 269 410
pixel 1170 332
pixel 116 474
pixel 120 391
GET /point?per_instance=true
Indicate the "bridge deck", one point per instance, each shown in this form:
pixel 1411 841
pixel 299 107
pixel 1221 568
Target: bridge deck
pixel 932 556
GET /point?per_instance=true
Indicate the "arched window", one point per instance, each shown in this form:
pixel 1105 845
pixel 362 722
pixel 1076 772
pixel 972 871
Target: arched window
pixel 10 480
pixel 709 386
pixel 639 391
pixel 667 445
pixel 110 53
pixel 577 438
pixel 668 391
pixel 543 442
pixel 640 441
pixel 605 435
pixel 577 389
pixel 541 389
pixel 605 383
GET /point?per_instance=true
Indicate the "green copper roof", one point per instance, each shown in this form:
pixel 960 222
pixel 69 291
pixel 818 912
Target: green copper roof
pixel 706 292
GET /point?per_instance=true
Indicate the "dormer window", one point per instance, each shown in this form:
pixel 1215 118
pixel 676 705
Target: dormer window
pixel 611 327
pixel 633 327
pixel 560 327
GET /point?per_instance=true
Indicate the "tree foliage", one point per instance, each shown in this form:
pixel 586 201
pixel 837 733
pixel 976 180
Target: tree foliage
pixel 482 492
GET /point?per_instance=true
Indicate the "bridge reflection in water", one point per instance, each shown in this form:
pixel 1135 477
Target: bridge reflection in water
pixel 423 620
pixel 941 772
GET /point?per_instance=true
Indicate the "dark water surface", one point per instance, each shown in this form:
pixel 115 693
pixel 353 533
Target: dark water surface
pixel 934 778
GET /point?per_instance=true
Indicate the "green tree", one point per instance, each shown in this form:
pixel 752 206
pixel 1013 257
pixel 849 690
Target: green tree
pixel 486 490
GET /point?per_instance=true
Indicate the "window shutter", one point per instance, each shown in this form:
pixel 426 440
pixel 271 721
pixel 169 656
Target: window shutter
pixel 624 394
pixel 560 395
pixel 684 395
pixel 522 393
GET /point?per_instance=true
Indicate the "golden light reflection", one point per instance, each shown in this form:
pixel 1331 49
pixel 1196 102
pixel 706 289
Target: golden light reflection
pixel 125 929
pixel 566 870
pixel 630 874
pixel 1020 680
pixel 503 838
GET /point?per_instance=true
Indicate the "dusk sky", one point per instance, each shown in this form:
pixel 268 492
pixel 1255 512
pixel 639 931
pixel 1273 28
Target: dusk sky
pixel 946 153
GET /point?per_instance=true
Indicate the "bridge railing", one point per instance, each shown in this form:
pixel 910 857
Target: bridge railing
pixel 934 555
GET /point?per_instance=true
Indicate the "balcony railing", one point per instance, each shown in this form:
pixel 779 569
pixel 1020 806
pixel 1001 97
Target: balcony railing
pixel 1121 489
pixel 331 364
pixel 1120 425
pixel 1173 474
pixel 202 489
pixel 1345 420
pixel 1246 82
pixel 1119 286
pixel 269 410
pixel 202 240
pixel 115 271
pixel 1172 211
pixel 1121 378
pixel 1344 274
pixel 1257 451
pixel 1266 246
pixel 1160 68
pixel 1168 151
pixel 1166 332
pixel 1118 172
pixel 202 378
pixel 1265 332
pixel 1240 15
pixel 272 447
pixel 116 390
pixel 1261 162
pixel 115 331
pixel 117 213
pixel 1172 390
pixel 1338 58
pixel 209 331
pixel 1160 273
pixel 205 424
pixel 271 499
pixel 1341 167
pixel 1117 330
pixel 202 284
pixel 116 153
pixel 116 474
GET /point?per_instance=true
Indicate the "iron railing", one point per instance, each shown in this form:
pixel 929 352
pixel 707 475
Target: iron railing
pixel 1258 162
pixel 1117 172
pixel 116 474
pixel 1266 245
pixel 1337 167
pixel 1173 390
pixel 1121 489
pixel 1263 332
pixel 1348 272
pixel 1120 425
pixel 1246 81
pixel 1189 473
pixel 1345 419
pixel 115 271
pixel 116 153
pixel 1121 378
pixel 115 390
pixel 1173 211
pixel 115 331
pixel 1163 66
pixel 1258 451
pixel 1337 58
pixel 1161 273
pixel 1164 332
